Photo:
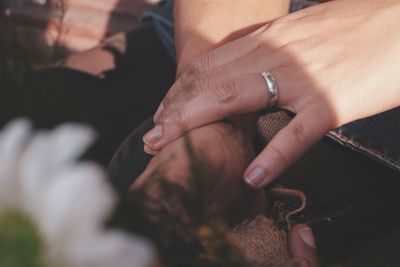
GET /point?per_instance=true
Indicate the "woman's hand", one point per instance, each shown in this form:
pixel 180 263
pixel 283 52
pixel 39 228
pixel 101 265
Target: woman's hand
pixel 334 63
pixel 202 25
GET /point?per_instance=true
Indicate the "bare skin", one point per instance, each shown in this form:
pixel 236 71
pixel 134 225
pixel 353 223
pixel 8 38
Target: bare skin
pixel 95 61
pixel 335 63
pixel 202 25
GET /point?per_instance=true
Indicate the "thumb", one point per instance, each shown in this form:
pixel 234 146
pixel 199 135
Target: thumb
pixel 302 246
pixel 286 147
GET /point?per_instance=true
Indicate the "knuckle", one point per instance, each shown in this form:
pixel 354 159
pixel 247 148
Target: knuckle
pixel 189 76
pixel 193 83
pixel 278 155
pixel 194 69
pixel 164 113
pixel 180 121
pixel 199 85
pixel 171 94
pixel 300 133
pixel 227 92
pixel 166 104
pixel 160 118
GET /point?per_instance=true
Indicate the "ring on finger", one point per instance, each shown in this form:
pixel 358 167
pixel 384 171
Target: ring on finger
pixel 272 88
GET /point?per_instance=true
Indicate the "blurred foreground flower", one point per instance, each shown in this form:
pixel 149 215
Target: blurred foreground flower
pixel 53 209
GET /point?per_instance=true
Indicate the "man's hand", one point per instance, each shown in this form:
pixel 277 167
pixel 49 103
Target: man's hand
pixel 224 152
pixel 202 25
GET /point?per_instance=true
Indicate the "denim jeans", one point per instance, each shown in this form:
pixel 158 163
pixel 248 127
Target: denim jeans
pixel 377 137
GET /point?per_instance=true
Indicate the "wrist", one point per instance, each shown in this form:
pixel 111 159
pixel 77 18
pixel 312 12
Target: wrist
pixel 202 25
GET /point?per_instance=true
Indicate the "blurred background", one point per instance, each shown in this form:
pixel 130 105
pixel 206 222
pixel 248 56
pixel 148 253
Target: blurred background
pixel 48 30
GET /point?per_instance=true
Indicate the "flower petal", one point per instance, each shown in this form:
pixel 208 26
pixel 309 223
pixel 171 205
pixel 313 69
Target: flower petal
pixel 13 140
pixel 111 248
pixel 78 202
pixel 48 154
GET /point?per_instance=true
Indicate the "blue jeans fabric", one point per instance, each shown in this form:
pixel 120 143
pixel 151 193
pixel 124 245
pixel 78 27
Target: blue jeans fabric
pixel 377 137
pixel 162 18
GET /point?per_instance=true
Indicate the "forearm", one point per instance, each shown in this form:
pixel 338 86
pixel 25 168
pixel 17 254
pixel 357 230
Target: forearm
pixel 201 25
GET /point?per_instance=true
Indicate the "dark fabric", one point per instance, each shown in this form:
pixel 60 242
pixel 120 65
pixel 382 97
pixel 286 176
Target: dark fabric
pixel 130 160
pixel 352 200
pixel 383 253
pixel 377 137
pixel 269 125
pixel 114 106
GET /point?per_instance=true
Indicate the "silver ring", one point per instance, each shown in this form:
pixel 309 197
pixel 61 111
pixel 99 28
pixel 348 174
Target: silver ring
pixel 273 90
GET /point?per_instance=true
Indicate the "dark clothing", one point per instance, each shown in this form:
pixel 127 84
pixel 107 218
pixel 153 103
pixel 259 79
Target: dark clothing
pixel 352 200
pixel 377 137
pixel 114 106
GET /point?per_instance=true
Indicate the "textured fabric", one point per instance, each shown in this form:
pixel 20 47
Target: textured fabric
pixel 261 242
pixel 269 125
pixel 376 137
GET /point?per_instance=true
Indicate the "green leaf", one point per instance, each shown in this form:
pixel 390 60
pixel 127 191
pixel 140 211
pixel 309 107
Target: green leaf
pixel 20 241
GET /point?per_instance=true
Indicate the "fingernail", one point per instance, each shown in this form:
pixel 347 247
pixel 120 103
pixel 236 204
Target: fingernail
pixel 298 262
pixel 256 177
pixel 153 136
pixel 149 151
pixel 307 236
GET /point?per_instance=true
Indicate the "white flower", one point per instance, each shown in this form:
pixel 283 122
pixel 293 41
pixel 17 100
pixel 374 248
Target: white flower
pixel 69 201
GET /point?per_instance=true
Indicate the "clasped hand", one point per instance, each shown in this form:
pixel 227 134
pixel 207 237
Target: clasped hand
pixel 334 63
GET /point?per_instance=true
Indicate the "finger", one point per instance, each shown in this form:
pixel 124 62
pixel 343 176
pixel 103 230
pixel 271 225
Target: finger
pixel 245 94
pixel 159 110
pixel 208 81
pixel 287 146
pixel 302 245
pixel 217 57
pixel 297 262
pixel 150 151
pixel 191 84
